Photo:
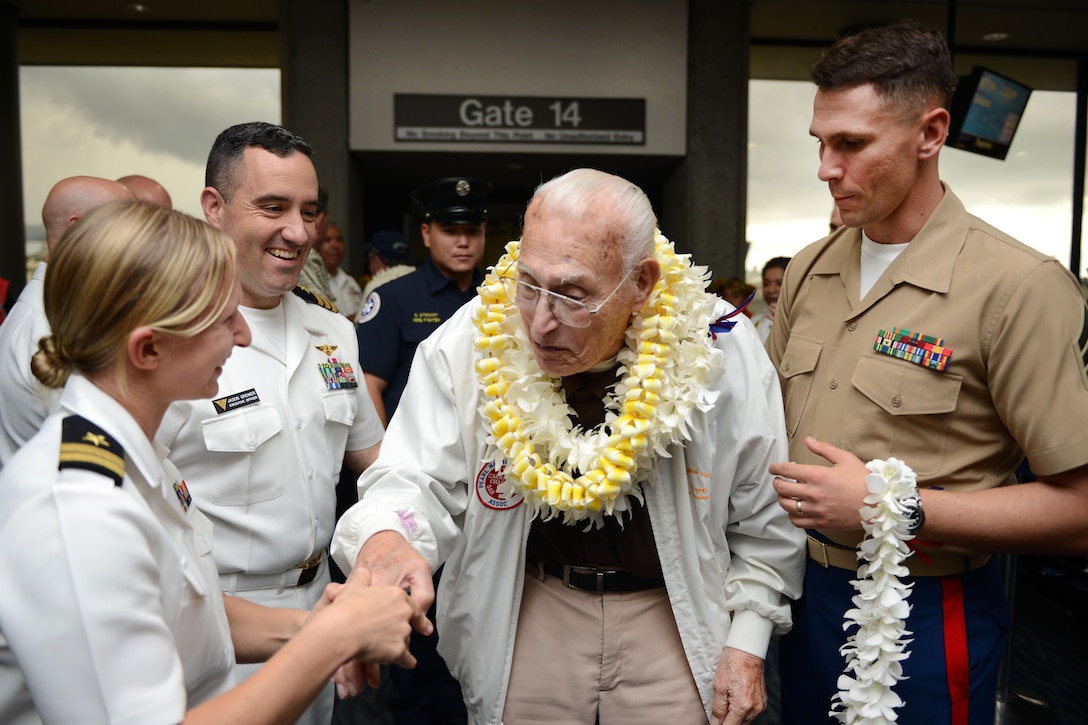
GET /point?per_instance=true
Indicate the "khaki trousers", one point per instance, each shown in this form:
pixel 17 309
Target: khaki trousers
pixel 579 655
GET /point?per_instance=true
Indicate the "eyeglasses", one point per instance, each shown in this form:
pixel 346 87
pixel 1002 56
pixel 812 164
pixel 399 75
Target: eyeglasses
pixel 566 310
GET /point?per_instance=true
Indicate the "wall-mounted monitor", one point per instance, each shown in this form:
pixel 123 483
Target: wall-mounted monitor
pixel 986 109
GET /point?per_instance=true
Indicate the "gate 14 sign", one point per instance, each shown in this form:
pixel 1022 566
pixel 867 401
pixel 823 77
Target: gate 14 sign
pixel 519 119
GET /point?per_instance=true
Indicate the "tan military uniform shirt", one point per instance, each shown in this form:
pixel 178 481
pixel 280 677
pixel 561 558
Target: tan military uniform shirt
pixel 1013 325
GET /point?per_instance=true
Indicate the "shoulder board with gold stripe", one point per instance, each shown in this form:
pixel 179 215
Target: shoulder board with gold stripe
pixel 315 299
pixel 84 445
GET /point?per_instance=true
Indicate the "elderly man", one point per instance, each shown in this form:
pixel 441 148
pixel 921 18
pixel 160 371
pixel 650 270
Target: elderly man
pixel 588 459
pixel 24 402
pixel 262 458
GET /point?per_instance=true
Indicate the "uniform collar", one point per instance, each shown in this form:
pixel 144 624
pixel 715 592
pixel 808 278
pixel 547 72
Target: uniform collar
pixel 927 262
pixel 436 281
pixel 295 321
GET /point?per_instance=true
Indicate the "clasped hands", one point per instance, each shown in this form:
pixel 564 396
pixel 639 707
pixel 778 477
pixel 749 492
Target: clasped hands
pixel 393 590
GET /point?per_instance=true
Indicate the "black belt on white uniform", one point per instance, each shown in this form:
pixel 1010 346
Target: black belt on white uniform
pixel 588 579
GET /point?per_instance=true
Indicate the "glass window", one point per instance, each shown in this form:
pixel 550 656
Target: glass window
pixel 1028 195
pixel 788 206
pixel 113 122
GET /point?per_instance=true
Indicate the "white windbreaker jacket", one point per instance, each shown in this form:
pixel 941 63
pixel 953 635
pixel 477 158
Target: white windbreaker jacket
pixel 730 556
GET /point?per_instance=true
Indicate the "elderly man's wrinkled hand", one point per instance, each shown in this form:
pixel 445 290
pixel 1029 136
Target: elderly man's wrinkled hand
pixel 739 692
pixel 390 559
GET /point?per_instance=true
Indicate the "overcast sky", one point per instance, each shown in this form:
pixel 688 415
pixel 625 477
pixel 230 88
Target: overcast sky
pixel 111 122
pixel 160 122
pixel 1028 195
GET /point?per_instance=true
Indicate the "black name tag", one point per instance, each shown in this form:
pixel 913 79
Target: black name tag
pixel 235 400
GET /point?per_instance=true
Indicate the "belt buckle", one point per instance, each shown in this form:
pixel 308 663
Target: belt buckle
pixel 823 560
pixel 598 577
pixel 309 570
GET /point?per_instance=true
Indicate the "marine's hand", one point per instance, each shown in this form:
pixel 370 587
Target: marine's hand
pixel 822 497
pixel 739 692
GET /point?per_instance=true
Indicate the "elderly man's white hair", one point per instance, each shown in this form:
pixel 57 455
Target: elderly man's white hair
pixel 580 191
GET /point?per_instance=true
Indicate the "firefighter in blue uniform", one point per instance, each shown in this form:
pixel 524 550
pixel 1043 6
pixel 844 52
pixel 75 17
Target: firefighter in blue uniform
pixel 400 314
pixel 396 317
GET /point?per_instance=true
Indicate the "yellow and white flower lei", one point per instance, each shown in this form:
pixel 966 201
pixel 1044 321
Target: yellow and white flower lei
pixel 666 366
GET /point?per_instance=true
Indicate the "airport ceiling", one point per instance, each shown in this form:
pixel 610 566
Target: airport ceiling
pixel 1051 27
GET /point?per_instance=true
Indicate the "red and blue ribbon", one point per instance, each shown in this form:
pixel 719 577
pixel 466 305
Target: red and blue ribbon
pixel 725 323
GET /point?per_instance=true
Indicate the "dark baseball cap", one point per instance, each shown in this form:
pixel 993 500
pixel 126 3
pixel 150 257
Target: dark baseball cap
pixel 388 244
pixel 458 200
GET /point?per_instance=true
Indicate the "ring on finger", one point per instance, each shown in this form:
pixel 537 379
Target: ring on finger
pixel 800 511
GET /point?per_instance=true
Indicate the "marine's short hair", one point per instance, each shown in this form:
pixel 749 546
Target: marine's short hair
pixel 908 65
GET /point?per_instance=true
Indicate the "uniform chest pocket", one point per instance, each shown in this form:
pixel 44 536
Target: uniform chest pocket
pixel 919 404
pixel 420 330
pixel 340 407
pixel 241 432
pixel 902 388
pixel 233 441
pixel 796 369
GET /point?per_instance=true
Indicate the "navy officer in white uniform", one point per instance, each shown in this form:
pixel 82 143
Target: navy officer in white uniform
pixel 128 625
pixel 263 456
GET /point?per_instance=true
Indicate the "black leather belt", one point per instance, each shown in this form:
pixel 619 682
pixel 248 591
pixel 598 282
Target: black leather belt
pixel 310 569
pixel 588 579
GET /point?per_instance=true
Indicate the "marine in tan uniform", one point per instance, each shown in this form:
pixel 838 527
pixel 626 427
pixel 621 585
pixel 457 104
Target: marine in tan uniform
pixel 920 332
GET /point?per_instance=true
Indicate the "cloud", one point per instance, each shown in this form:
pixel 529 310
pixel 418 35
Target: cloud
pixel 110 122
pixel 176 111
pixel 1029 195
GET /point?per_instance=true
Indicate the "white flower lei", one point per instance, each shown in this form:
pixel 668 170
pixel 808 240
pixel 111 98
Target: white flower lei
pixel 666 365
pixel 875 652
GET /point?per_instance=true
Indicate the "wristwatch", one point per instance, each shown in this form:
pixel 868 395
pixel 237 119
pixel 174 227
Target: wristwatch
pixel 916 515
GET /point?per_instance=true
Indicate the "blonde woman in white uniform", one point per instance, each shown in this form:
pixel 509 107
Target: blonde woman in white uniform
pixel 110 608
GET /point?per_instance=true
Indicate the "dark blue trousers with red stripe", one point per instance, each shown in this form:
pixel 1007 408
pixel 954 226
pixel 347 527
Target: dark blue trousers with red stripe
pixel 958 624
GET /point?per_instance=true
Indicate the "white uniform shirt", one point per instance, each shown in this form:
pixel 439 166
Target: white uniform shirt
pixel 763 323
pixel 263 458
pixel 731 557
pixel 348 294
pixel 110 609
pixel 24 401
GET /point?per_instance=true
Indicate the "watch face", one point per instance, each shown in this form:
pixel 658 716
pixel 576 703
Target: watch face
pixel 912 507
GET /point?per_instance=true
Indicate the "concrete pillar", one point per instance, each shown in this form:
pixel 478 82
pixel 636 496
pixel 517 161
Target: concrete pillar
pixel 314 91
pixel 12 225
pixel 705 200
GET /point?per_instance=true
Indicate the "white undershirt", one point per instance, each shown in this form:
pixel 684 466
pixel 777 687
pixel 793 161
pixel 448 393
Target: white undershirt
pixel 273 323
pixel 875 259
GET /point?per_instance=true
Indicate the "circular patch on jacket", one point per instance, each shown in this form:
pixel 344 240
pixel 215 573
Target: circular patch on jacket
pixel 370 307
pixel 488 480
